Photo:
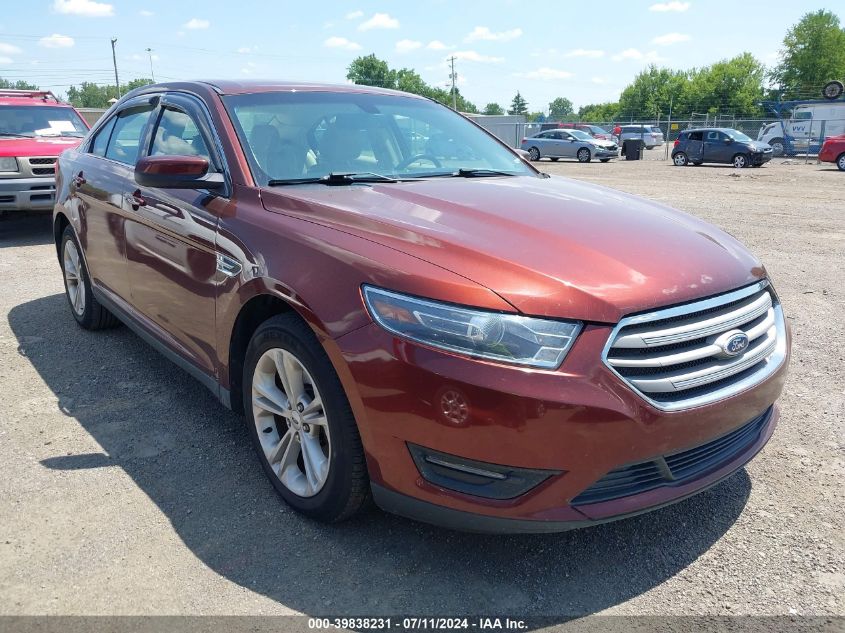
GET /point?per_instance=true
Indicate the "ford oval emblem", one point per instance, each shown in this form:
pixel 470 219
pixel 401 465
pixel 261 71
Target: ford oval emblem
pixel 733 343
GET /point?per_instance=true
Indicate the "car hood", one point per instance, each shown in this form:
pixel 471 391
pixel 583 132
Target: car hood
pixel 603 143
pixel 550 247
pixel 38 146
pixel 757 146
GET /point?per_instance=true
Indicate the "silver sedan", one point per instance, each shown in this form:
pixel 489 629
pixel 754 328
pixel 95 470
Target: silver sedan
pixel 556 144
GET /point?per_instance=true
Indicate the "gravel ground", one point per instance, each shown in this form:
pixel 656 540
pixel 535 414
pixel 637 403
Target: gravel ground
pixel 127 489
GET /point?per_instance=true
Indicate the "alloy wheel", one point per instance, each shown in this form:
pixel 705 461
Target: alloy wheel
pixel 740 161
pixel 840 162
pixel 534 154
pixel 680 159
pixel 291 422
pixel 584 155
pixel 74 283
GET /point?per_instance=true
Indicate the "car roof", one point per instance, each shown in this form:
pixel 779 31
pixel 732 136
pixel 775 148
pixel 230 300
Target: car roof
pixel 239 87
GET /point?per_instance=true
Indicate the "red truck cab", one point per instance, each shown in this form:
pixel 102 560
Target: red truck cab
pixel 35 127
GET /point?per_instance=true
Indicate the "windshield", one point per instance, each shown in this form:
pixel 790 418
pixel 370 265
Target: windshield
pixel 580 135
pixel 306 135
pixel 32 121
pixel 738 136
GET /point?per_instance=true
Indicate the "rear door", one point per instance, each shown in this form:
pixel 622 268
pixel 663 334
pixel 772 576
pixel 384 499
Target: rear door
pixel 98 180
pixel 695 146
pixel 170 238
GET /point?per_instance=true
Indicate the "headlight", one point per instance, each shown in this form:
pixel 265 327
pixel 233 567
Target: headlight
pixel 8 164
pixel 491 335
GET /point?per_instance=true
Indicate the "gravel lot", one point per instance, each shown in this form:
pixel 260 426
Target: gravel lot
pixel 127 489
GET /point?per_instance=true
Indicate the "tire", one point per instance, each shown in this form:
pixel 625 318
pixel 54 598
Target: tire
pixel 85 308
pixel 584 155
pixel 680 159
pixel 778 148
pixel 740 161
pixel 534 154
pixel 334 484
pixel 840 162
pixel 833 90
pixel 697 163
pixel 555 159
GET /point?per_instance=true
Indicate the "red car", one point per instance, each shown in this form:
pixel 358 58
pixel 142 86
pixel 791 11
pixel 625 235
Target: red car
pixel 35 127
pixel 460 337
pixel 833 151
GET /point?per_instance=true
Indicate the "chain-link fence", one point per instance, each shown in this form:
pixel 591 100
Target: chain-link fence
pixel 789 138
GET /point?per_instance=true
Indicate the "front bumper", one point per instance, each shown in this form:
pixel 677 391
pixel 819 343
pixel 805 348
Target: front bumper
pixel 581 422
pixel 27 194
pixel 760 158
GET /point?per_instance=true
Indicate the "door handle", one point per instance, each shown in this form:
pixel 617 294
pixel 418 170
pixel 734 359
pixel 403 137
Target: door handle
pixel 78 180
pixel 136 200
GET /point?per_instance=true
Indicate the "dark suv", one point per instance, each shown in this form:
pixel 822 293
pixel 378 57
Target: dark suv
pixel 719 145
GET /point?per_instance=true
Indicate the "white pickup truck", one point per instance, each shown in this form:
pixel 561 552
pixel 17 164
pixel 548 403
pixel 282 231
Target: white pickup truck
pixel 808 126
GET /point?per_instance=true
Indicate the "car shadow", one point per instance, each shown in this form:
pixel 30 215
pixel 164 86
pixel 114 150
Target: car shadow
pixel 195 462
pixel 18 228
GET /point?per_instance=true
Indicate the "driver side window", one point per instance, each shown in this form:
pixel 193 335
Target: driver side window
pixel 177 134
pixel 125 142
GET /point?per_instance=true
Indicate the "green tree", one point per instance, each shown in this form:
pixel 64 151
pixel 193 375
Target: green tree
pixel 560 109
pixel 91 95
pixel 371 71
pixel 732 86
pixel 518 105
pixel 20 84
pixel 493 108
pixel 599 112
pixel 651 93
pixel 813 53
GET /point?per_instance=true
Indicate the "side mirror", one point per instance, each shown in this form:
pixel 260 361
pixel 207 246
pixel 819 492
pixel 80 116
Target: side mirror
pixel 176 172
pixel 729 140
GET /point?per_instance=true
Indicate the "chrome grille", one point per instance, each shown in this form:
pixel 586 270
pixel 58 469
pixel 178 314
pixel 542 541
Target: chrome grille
pixel 676 358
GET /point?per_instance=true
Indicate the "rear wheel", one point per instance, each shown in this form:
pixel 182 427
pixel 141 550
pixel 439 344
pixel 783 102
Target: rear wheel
pixel 840 162
pixel 534 154
pixel 777 146
pixel 301 423
pixel 85 308
pixel 680 159
pixel 740 161
pixel 584 155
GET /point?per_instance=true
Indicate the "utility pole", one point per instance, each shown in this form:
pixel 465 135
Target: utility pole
pixel 114 61
pixel 152 73
pixel 454 78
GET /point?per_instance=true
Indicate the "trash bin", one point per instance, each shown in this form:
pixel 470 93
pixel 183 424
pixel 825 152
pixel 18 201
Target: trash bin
pixel 632 149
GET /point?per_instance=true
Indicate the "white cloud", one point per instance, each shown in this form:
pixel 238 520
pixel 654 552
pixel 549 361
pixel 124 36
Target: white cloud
pixel 584 52
pixel 406 46
pixel 598 80
pixel 249 68
pixel 379 21
pixel 473 56
pixel 341 42
pixel 670 6
pixel 670 38
pixel 9 49
pixel 637 55
pixel 354 15
pixel 196 24
pixel 437 45
pixel 56 41
pixel 482 33
pixel 547 74
pixel 146 14
pixel 87 8
pixel 6 60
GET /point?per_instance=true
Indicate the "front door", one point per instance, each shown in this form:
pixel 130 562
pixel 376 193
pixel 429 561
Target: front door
pixel 170 240
pixel 716 149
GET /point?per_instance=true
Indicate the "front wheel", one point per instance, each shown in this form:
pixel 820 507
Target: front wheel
pixel 584 155
pixel 85 308
pixel 534 154
pixel 840 162
pixel 680 159
pixel 740 161
pixel 301 423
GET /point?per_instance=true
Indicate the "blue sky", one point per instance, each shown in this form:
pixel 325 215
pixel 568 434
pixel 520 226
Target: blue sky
pixel 501 46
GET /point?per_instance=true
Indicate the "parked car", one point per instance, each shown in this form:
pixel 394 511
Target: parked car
pixel 35 127
pixel 833 151
pixel 470 341
pixel 804 127
pixel 560 143
pixel 650 135
pixel 719 145
pixel 593 130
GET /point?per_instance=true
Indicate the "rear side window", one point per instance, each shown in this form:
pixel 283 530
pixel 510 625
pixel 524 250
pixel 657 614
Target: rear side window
pixel 101 141
pixel 696 136
pixel 125 143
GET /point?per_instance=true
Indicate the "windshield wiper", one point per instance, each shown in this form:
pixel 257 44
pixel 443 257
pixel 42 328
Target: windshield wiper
pixel 16 135
pixel 334 178
pixel 475 173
